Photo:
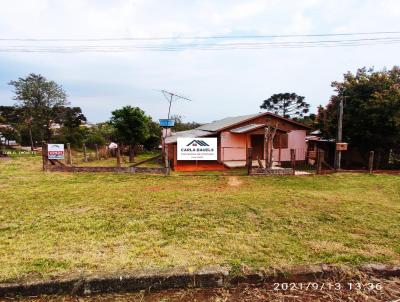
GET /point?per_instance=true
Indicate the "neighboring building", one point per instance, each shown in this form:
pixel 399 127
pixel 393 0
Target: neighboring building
pixel 316 142
pixel 236 134
pixel 88 125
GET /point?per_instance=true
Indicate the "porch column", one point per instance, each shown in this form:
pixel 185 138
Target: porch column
pixel 247 145
pixel 280 146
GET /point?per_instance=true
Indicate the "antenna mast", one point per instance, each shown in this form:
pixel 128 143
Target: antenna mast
pixel 171 97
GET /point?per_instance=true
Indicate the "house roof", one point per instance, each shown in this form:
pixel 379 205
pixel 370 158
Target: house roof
pixel 250 127
pixel 219 125
pixel 227 122
pixel 247 128
pixel 188 133
pixel 235 120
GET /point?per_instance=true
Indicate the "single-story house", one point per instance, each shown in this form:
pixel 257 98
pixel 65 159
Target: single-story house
pixel 235 135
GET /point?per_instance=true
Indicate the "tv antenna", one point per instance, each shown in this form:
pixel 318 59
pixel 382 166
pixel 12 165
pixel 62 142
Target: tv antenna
pixel 171 97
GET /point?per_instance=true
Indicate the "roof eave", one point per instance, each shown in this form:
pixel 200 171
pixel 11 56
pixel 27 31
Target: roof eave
pixel 289 120
pixel 265 114
pixel 256 128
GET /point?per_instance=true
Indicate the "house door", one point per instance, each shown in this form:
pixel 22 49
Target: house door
pixel 257 143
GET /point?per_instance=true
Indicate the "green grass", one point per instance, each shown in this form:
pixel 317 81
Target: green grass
pixel 60 223
pixel 78 159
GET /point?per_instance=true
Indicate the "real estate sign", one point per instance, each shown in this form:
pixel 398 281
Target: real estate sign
pixel 193 148
pixel 55 151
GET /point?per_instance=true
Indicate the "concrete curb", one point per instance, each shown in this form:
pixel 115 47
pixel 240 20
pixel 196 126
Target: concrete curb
pixel 381 270
pixel 215 276
pixel 124 282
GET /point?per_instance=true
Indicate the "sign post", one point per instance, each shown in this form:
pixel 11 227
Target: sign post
pixel 69 154
pixel 45 158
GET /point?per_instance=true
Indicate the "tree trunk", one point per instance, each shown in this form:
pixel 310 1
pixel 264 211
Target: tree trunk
pixel 47 131
pixel 49 135
pixel 131 153
pixel 30 136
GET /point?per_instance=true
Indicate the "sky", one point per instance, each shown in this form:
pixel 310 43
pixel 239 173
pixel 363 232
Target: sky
pixel 220 83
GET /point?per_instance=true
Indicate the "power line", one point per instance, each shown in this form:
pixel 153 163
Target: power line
pixel 181 49
pixel 231 45
pixel 200 37
pixel 236 43
pixel 167 49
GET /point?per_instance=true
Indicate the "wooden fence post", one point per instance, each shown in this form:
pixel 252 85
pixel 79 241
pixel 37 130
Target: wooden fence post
pixel 378 161
pixel 175 157
pixel 69 162
pixel 121 153
pixel 249 160
pixel 118 154
pixel 371 161
pixel 84 152
pixel 166 160
pixel 319 161
pixel 293 160
pixel 45 159
pixel 97 151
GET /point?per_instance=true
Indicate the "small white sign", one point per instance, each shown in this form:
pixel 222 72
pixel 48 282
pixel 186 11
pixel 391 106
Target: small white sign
pixel 55 151
pixel 194 148
pixel 112 146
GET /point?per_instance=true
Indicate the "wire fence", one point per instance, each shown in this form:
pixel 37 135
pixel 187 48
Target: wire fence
pixel 106 156
pixel 311 161
pixel 381 159
pixel 299 161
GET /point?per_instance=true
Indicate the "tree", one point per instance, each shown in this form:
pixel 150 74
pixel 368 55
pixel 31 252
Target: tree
pixel 308 120
pixel 154 138
pixel 8 133
pixel 131 126
pixel 39 101
pixel 13 115
pixel 71 119
pixel 371 117
pixel 100 134
pixel 182 126
pixel 286 105
pixel 10 115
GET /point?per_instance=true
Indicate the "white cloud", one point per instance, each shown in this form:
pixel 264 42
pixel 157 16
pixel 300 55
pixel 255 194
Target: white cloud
pixel 391 7
pixel 247 9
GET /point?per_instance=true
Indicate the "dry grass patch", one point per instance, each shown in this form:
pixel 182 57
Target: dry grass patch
pixel 234 181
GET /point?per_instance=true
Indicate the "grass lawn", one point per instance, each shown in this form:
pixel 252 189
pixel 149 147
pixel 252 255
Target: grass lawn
pixel 59 223
pixel 112 161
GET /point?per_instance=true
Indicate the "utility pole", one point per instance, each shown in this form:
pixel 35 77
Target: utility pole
pixel 339 134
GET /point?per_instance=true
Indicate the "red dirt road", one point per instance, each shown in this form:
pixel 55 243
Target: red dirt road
pixel 371 289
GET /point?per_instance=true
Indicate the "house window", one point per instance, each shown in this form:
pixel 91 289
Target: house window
pixel 281 141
